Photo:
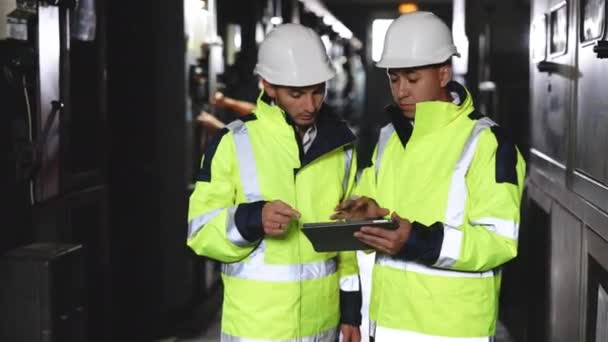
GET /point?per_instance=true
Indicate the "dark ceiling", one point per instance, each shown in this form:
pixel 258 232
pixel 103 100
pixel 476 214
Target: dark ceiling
pixel 382 2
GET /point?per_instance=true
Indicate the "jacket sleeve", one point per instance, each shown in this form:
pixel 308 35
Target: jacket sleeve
pixel 365 184
pixel 350 288
pixel 488 237
pixel 218 227
pixel 366 179
pixel 348 269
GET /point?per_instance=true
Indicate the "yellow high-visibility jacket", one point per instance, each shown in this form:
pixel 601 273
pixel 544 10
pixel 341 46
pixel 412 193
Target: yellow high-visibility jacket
pixel 276 288
pixel 457 177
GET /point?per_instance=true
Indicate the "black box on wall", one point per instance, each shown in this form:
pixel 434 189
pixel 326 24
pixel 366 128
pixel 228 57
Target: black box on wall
pixel 42 294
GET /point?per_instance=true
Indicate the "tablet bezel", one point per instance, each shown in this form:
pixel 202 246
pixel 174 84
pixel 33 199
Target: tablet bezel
pixel 338 236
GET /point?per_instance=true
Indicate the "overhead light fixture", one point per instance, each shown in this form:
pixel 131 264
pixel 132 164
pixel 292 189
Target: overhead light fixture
pixel 318 8
pixel 379 28
pixel 460 65
pixel 408 7
pixel 326 41
pixel 329 19
pixel 259 33
pixel 276 20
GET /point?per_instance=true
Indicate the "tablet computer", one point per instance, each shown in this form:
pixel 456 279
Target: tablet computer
pixel 338 236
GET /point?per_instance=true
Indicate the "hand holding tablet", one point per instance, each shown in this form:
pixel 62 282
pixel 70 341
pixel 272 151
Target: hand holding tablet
pixel 339 235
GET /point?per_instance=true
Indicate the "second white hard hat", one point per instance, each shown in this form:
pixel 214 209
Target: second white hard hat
pixel 293 55
pixel 417 39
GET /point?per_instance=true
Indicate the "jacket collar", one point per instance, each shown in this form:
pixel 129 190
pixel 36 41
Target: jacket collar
pixel 332 131
pixel 403 125
pixel 431 116
pixel 265 110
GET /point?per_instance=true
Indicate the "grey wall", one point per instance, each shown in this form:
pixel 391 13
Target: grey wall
pixel 6 6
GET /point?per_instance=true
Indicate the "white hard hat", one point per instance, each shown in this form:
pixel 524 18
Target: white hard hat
pixel 417 39
pixel 293 55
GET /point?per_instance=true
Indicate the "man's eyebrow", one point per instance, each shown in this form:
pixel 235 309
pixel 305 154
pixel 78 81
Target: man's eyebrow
pixel 396 72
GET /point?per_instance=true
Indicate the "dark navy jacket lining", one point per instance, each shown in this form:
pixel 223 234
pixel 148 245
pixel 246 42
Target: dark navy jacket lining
pixel 506 157
pixel 248 220
pixel 403 125
pixel 424 243
pixel 204 174
pixel 350 307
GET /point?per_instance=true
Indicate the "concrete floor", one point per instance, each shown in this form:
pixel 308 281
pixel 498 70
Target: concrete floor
pixel 213 334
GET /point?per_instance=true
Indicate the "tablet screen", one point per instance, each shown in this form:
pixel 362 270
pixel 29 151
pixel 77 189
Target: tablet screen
pixel 338 236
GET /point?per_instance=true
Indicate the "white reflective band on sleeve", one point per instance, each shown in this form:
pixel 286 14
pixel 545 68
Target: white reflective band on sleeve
pixel 457 195
pixel 348 160
pixel 254 268
pixel 232 232
pixel 385 134
pixel 504 228
pixel 326 336
pixel 372 328
pixel 249 178
pixel 410 266
pixel 450 247
pixel 246 160
pixel 198 222
pixel 393 335
pixel 349 283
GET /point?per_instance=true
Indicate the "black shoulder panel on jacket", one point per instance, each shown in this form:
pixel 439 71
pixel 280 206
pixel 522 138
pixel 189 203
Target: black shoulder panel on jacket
pixel 365 163
pixel 365 153
pixel 248 117
pixel 475 115
pixel 204 175
pixel 506 157
pixel 403 126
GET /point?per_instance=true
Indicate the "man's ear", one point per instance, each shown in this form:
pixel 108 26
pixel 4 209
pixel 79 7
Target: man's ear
pixel 269 89
pixel 445 75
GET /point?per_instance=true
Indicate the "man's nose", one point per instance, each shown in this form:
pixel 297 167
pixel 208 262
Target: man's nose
pixel 309 103
pixel 404 89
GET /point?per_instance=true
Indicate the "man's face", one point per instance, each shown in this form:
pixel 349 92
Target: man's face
pixel 302 104
pixel 412 85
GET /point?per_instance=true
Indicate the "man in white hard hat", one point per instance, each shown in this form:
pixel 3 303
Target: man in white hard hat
pixel 453 181
pixel 289 162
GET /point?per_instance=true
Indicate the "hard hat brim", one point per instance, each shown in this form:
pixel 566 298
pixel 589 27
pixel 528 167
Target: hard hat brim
pixel 386 63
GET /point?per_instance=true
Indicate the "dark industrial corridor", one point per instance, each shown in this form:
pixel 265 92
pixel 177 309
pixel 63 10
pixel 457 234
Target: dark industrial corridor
pixel 114 123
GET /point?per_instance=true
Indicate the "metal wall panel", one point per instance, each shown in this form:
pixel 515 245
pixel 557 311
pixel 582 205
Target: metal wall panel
pixel 525 313
pixel 551 80
pixel 592 119
pixel 48 55
pixel 569 133
pixel 601 332
pixel 565 275
pixel 591 180
pixel 593 254
pixel 596 285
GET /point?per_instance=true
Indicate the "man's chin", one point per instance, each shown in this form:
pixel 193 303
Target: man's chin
pixel 305 121
pixel 408 113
